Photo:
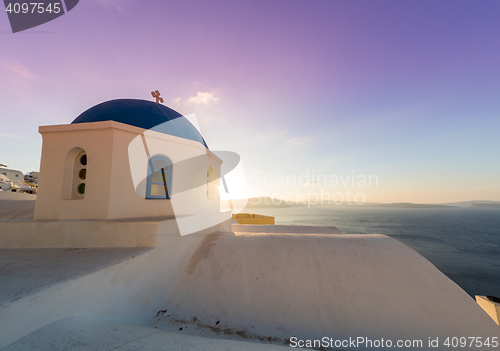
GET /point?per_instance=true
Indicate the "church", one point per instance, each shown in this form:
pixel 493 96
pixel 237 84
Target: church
pixel 128 158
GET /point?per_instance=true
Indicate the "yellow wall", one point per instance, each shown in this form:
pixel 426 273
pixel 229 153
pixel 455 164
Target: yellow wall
pixel 490 307
pixel 250 218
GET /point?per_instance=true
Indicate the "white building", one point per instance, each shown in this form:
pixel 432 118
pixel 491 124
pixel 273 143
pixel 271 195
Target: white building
pixel 5 183
pixel 32 177
pixel 128 159
pixel 15 176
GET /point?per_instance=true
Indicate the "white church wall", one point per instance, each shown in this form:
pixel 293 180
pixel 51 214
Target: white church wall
pixel 191 162
pixel 61 144
pixel 117 162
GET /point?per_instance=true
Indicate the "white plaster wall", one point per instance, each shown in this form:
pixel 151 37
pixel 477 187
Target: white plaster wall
pixel 52 202
pixel 79 334
pixel 311 286
pixel 117 163
pixel 22 234
pixel 134 290
pixel 278 285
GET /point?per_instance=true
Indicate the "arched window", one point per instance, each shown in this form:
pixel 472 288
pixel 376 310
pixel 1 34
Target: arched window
pixel 159 181
pixel 75 174
pixel 80 175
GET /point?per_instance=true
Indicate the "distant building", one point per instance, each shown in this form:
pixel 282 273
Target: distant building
pixel 5 183
pixel 34 174
pixel 15 176
pixel 32 177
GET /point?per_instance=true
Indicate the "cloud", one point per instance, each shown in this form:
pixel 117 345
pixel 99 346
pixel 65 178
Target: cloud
pixel 311 183
pixel 202 98
pixel 270 134
pixel 18 69
pixel 296 141
pixel 210 118
pixel 205 103
pixel 12 136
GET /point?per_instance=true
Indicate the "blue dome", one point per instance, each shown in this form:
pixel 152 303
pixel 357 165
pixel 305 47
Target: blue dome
pixel 143 114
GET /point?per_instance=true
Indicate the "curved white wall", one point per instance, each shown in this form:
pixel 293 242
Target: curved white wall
pixel 276 285
pixel 312 286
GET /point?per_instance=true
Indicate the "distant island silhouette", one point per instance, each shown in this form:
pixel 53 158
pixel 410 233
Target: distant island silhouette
pixel 268 202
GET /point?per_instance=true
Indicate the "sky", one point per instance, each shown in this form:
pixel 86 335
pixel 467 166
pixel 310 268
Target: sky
pixel 311 94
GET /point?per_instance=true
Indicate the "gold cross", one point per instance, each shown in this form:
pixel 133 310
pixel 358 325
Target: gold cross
pixel 156 94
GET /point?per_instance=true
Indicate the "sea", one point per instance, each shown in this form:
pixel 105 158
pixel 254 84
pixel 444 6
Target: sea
pixel 462 242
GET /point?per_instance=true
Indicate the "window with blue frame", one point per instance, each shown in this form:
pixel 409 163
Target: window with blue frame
pixel 159 181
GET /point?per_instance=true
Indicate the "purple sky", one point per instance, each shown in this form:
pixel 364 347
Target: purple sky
pixel 405 90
